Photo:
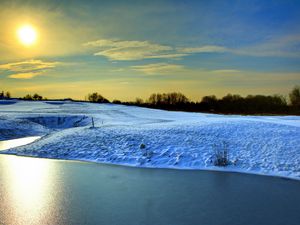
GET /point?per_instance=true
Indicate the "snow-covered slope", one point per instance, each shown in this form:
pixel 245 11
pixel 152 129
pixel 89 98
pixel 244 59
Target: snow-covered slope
pixel 154 138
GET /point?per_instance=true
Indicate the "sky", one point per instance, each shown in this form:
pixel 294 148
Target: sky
pixel 128 49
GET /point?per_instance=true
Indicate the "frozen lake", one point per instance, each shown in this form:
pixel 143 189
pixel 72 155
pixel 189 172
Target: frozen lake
pixel 43 191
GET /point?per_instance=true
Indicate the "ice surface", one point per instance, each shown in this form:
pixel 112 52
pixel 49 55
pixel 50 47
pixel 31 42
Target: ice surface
pixel 144 137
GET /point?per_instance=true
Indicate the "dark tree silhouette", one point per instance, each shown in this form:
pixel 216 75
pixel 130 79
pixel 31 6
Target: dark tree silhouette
pixel 139 101
pixel 95 97
pixel 8 94
pixel 28 97
pixel 295 97
pixel 172 99
pixel 209 103
pixel 37 97
pixel 116 101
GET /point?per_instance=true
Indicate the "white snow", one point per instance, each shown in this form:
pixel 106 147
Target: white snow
pixel 17 142
pixel 267 145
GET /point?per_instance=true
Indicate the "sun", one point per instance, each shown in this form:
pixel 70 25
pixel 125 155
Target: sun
pixel 27 35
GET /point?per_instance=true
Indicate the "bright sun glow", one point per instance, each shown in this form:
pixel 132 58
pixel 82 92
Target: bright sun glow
pixel 27 35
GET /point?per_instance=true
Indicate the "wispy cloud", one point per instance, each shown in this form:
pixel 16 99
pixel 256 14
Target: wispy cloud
pixel 167 68
pixel 287 46
pixel 203 49
pixel 114 49
pixel 122 50
pixel 132 50
pixel 28 75
pixel 158 68
pixel 126 44
pixel 128 54
pixel 28 65
pixel 28 69
pixel 226 71
pixel 137 50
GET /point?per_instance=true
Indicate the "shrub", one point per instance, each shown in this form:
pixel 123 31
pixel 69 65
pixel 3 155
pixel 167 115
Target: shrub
pixel 139 101
pixel 95 97
pixel 116 101
pixel 37 97
pixel 221 156
pixel 295 97
pixel 5 95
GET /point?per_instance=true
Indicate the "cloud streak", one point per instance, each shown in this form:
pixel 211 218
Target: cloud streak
pixel 158 68
pixel 226 71
pixel 28 75
pixel 122 50
pixel 138 50
pixel 167 68
pixel 204 49
pixel 132 50
pixel 287 46
pixel 28 69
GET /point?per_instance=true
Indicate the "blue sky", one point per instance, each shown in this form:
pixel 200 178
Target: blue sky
pixel 128 49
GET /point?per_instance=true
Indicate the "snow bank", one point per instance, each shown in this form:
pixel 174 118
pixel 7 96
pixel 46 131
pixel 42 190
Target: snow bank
pixel 155 138
pixel 12 127
pixel 7 102
pixel 61 121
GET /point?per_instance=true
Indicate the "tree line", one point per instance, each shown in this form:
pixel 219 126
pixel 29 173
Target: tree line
pixel 35 97
pixel 5 95
pixel 229 104
pixel 28 97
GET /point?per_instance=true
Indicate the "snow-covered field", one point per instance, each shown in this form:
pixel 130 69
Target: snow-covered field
pixel 153 138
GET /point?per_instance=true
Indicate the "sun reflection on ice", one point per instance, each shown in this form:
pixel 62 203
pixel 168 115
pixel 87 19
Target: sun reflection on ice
pixel 29 187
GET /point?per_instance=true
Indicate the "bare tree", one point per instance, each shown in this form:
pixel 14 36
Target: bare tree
pixel 95 97
pixel 295 97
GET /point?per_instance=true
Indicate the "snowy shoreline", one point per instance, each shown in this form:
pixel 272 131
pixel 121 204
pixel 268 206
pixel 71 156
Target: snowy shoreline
pixel 264 145
pixel 215 169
